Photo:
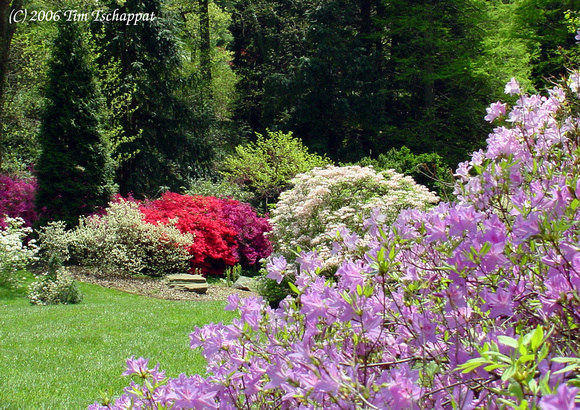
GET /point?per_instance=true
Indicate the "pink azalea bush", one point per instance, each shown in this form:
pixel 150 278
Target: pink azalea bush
pixel 470 305
pixel 17 199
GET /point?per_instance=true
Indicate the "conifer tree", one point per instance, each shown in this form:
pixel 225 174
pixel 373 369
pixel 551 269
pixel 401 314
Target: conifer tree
pixel 159 142
pixel 72 168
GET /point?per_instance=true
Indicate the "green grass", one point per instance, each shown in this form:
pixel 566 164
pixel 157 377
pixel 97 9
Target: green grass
pixel 63 357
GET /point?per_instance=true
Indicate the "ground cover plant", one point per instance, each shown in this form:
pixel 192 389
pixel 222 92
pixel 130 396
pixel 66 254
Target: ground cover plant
pixel 467 305
pixel 63 357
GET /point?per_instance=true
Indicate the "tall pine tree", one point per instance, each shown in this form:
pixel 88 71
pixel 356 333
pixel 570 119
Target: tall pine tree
pixel 159 141
pixel 72 168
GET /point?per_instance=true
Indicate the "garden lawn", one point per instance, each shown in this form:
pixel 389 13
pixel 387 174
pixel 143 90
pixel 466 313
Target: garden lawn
pixel 63 357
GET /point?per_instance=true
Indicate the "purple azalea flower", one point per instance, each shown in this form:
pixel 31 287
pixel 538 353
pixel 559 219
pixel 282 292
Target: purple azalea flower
pixel 564 399
pixel 501 302
pixel 189 393
pixel 308 261
pixel 495 110
pixel 276 268
pixel 512 87
pixel 138 367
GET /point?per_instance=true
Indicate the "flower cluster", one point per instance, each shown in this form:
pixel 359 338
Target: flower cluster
pixel 470 305
pixel 15 253
pixel 17 199
pixel 326 201
pixel 225 230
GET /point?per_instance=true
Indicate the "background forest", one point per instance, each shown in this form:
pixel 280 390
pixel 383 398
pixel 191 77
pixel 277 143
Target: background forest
pixel 167 100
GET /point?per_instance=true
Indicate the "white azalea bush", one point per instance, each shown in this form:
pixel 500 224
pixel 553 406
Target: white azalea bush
pixel 331 203
pixel 15 254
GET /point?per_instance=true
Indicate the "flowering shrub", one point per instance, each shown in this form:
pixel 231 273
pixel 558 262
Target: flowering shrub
pixel 471 305
pixel 252 243
pixel 327 200
pixel 226 231
pixel 120 240
pixel 17 199
pixel 15 255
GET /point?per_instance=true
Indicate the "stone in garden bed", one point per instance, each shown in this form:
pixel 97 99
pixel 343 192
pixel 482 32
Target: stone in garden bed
pixel 245 283
pixel 184 281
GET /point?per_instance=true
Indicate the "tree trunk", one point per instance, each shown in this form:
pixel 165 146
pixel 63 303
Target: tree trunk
pixel 6 33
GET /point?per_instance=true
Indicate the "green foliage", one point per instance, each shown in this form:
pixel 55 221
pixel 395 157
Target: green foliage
pixel 73 169
pixel 273 291
pixel 506 47
pixel 159 139
pixel 518 369
pixel 353 77
pixel 544 28
pixel 427 169
pixel 220 189
pixel 265 167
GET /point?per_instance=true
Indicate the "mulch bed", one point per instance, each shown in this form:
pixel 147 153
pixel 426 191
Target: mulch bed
pixel 152 287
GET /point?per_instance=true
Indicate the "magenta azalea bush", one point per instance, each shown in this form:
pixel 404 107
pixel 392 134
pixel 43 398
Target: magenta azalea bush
pixel 17 199
pixel 470 305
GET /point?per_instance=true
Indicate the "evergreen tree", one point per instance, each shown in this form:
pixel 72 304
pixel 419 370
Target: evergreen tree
pixel 357 77
pixel 542 25
pixel 72 168
pixel 158 140
pixel 7 31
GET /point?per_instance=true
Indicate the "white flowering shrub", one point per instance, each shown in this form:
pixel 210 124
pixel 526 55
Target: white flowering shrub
pixel 54 288
pixel 15 255
pixel 331 203
pixel 120 240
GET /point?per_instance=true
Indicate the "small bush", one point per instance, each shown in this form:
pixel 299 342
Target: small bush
pixel 265 167
pixel 252 243
pixel 15 254
pixel 17 199
pixel 57 286
pixel 326 202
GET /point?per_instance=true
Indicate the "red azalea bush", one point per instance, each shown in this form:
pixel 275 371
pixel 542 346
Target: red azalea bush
pixel 17 199
pixel 226 231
